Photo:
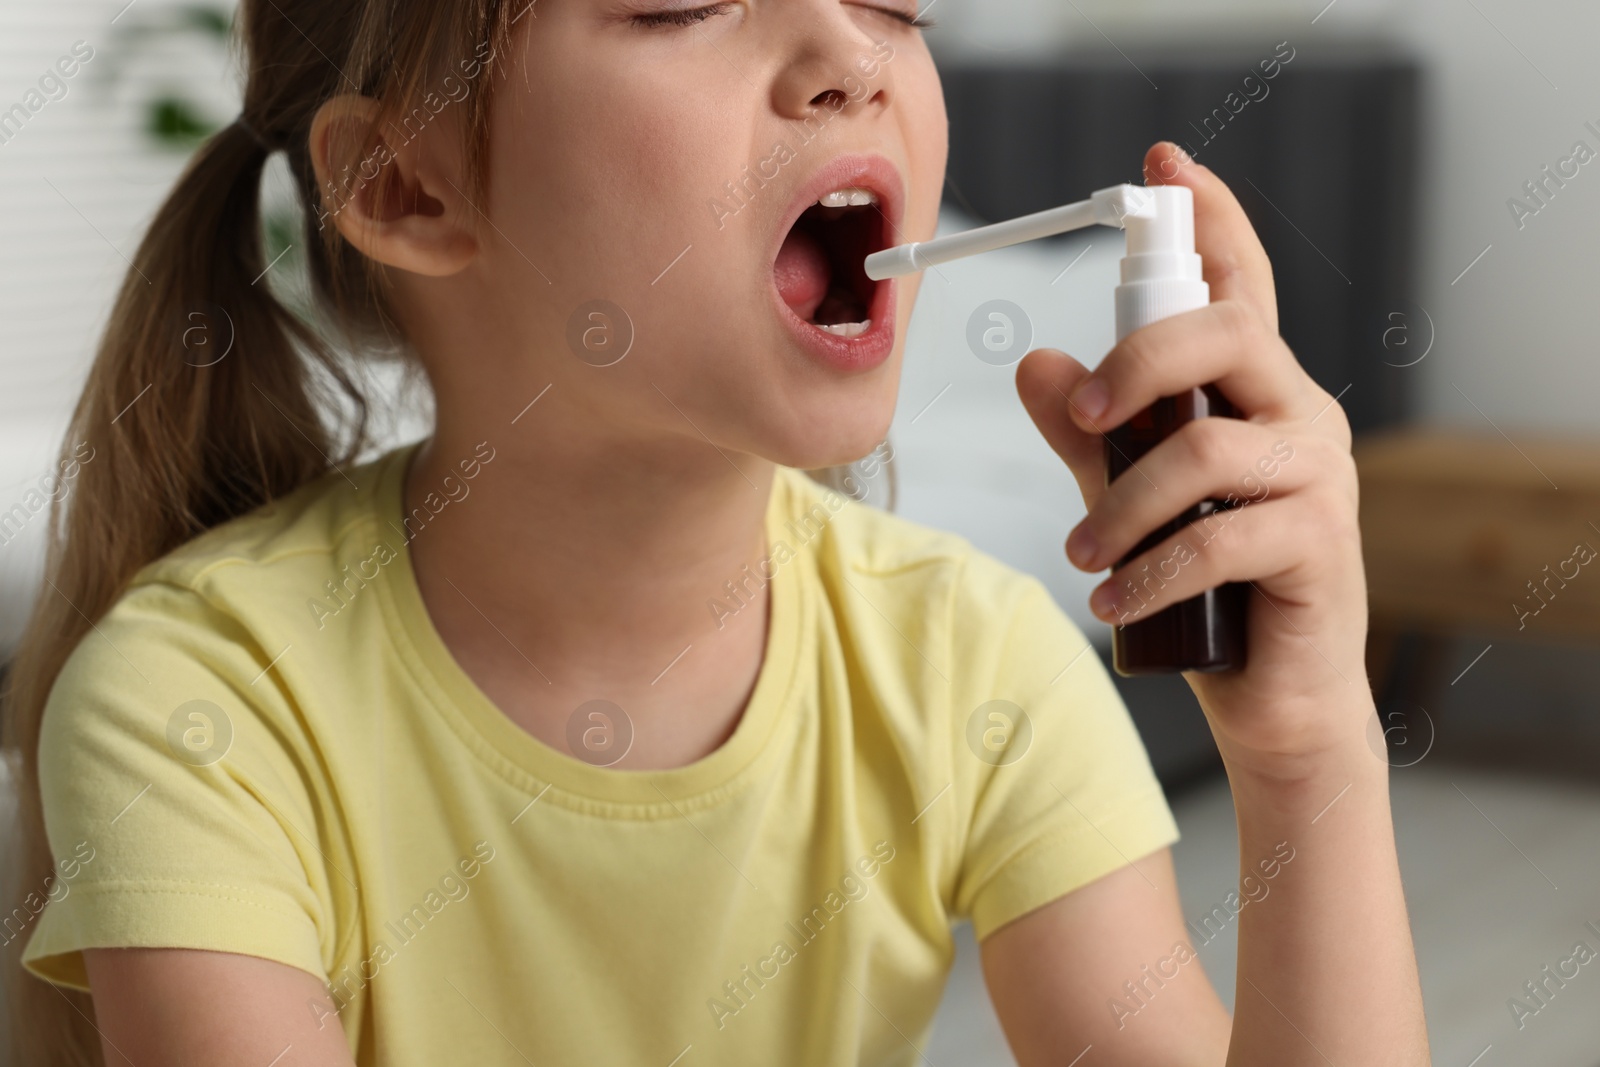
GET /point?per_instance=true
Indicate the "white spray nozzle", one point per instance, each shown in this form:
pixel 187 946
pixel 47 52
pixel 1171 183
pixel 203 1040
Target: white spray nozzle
pixel 1161 275
pixel 1116 206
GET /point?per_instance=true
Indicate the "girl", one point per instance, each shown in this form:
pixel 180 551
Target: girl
pixel 588 729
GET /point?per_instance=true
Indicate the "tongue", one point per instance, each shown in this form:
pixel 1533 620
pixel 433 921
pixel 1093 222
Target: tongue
pixel 802 273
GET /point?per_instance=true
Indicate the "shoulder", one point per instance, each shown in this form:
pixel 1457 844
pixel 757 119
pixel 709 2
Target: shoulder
pixel 313 520
pixel 169 751
pixel 203 624
pixel 932 627
pixel 272 576
pixel 978 689
pixel 186 686
pixel 913 577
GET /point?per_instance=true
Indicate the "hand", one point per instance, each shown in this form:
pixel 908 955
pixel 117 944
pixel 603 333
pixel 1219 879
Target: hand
pixel 1304 691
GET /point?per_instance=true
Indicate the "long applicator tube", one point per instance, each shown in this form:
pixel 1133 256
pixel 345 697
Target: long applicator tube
pixel 1108 207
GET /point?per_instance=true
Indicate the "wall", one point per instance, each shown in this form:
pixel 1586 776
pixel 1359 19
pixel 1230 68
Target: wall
pixel 75 193
pixel 1510 88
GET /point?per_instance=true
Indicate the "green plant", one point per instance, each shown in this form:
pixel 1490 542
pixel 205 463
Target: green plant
pixel 178 118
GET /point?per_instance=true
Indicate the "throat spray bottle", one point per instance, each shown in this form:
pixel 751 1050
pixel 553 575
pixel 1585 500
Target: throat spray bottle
pixel 1161 277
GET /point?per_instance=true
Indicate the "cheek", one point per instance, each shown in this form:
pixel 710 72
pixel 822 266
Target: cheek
pixel 926 129
pixel 925 132
pixel 910 287
pixel 608 191
pixel 612 185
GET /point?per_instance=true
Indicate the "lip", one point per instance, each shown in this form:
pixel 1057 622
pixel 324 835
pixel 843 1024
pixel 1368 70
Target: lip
pixel 855 171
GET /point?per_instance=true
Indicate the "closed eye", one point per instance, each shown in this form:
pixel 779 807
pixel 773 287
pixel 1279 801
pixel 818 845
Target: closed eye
pixel 690 17
pixel 921 22
pixel 695 16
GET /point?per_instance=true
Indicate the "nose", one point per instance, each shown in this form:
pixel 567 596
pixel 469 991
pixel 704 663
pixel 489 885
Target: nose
pixel 833 64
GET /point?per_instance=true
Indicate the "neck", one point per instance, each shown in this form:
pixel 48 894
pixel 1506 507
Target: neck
pixel 594 562
pixel 583 547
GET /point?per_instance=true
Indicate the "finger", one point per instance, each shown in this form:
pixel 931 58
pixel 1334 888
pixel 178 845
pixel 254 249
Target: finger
pixel 1223 343
pixel 1045 379
pixel 1240 463
pixel 1236 266
pixel 1251 543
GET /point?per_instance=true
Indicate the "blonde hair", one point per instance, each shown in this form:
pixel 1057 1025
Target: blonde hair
pixel 181 447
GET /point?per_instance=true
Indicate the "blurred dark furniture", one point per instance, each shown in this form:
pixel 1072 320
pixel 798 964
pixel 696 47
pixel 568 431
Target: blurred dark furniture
pixel 1467 531
pixel 1483 575
pixel 1324 163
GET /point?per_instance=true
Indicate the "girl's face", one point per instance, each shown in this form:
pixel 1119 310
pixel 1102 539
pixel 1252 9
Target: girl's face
pixel 650 166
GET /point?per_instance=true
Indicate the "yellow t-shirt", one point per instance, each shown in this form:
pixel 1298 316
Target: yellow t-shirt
pixel 266 748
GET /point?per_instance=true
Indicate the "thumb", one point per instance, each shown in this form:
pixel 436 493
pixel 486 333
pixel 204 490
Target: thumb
pixel 1045 379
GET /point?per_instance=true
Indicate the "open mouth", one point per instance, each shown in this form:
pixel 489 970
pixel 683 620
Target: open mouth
pixel 821 268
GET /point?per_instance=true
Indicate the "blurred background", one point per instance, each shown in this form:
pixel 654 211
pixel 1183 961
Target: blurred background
pixel 1436 267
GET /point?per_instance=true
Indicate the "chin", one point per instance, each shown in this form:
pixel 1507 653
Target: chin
pixel 835 438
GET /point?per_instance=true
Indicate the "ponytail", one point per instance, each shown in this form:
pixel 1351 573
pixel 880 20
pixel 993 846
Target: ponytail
pixel 207 395
pixel 200 406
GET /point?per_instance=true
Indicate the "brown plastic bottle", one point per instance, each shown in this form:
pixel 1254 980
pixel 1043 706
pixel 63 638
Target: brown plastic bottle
pixel 1205 633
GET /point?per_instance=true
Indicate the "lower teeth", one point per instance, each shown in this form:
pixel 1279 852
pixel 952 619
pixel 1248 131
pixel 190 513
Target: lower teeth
pixel 847 329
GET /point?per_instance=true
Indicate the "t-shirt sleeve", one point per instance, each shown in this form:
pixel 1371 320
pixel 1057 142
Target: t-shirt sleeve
pixel 1057 785
pixel 175 806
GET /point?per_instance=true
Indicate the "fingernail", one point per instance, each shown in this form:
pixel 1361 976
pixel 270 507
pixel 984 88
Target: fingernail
pixel 1103 601
pixel 1091 398
pixel 1081 545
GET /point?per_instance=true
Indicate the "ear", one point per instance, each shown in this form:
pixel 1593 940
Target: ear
pixel 397 202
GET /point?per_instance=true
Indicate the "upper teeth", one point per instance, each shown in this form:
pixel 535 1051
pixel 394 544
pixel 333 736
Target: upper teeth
pixel 849 198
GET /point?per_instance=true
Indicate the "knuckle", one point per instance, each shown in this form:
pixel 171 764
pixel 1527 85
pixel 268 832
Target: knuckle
pixel 1230 542
pixel 1207 443
pixel 1333 417
pixel 1342 433
pixel 1340 459
pixel 1228 556
pixel 1134 357
pixel 1332 464
pixel 1242 325
pixel 1329 518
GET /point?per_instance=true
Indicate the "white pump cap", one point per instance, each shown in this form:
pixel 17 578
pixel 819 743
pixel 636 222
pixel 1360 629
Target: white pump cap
pixel 1162 273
